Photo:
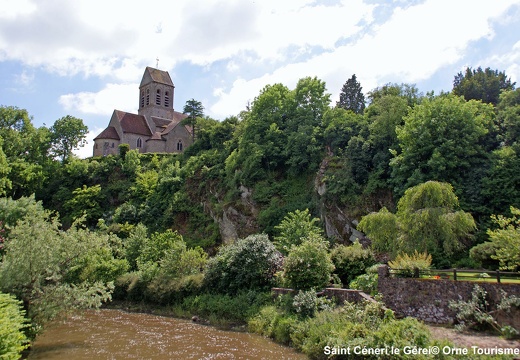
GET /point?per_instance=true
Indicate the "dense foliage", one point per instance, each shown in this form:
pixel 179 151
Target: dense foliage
pixel 254 202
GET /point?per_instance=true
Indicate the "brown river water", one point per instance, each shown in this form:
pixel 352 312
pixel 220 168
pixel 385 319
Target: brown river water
pixel 116 334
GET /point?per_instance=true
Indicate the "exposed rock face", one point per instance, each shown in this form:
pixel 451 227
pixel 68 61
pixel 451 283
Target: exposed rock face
pixel 236 221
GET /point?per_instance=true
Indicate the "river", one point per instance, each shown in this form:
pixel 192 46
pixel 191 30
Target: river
pixel 116 334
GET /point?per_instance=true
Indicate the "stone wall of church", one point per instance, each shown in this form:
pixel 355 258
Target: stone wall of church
pixel 158 146
pixel 179 134
pixel 131 139
pixel 103 147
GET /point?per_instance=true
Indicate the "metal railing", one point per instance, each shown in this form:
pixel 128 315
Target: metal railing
pixel 458 275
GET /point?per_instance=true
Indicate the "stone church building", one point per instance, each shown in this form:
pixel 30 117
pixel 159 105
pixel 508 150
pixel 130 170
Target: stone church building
pixel 155 128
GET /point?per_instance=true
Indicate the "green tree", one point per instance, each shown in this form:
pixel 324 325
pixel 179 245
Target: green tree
pixel 86 201
pixel 508 116
pixel 308 265
pixel 506 240
pixel 38 257
pixel 479 84
pixel 5 183
pixel 13 340
pixel 194 110
pixel 294 229
pixel 351 261
pixel 442 139
pixel 351 96
pixel 427 220
pixel 67 134
pixel 26 151
pixel 249 263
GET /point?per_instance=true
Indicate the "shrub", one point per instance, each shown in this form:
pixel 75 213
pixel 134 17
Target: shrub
pixel 12 324
pixel 367 282
pixel 482 253
pixel 308 265
pixel 479 313
pixel 249 263
pixel 294 229
pixel 408 263
pixel 307 303
pixel 351 261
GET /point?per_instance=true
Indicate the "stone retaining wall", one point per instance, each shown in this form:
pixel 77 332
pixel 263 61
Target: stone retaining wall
pixel 428 299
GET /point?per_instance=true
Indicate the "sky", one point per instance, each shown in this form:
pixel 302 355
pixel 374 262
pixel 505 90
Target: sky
pixel 86 58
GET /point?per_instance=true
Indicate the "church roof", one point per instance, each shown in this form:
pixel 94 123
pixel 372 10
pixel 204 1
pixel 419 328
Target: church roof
pixel 132 123
pixel 156 75
pixel 156 136
pixel 109 133
pixel 177 118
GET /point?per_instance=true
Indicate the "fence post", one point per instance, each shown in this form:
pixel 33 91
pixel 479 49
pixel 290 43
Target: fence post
pixel 455 274
pixel 498 276
pixel 416 273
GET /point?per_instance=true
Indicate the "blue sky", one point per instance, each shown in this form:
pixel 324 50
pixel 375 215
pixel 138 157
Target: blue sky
pixel 86 58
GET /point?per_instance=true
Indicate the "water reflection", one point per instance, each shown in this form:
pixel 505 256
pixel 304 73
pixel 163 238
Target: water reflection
pixel 115 334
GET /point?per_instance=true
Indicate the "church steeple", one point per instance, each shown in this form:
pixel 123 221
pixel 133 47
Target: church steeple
pixel 156 95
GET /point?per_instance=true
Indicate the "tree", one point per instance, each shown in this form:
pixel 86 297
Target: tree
pixel 442 139
pixel 39 256
pixel 308 265
pixel 508 116
pixel 5 183
pixel 479 84
pixel 67 134
pixel 506 240
pixel 249 263
pixel 351 96
pixel 194 110
pixel 294 229
pixel 427 220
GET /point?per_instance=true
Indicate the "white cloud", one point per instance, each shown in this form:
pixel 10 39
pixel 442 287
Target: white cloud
pixel 87 150
pixel 411 46
pixel 113 96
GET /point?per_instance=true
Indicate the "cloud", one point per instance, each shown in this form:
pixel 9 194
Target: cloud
pixel 409 47
pixel 113 96
pixel 87 150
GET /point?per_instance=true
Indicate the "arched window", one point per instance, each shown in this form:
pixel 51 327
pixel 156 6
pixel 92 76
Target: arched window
pixel 142 98
pixel 147 96
pixel 158 97
pixel 179 145
pixel 139 143
pixel 166 99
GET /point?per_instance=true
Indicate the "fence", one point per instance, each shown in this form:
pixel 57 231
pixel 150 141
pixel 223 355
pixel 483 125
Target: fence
pixel 458 275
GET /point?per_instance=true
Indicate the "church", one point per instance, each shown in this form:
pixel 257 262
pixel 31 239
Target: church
pixel 156 128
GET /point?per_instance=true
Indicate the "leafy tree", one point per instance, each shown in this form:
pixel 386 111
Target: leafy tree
pixel 5 183
pixel 294 229
pixel 308 265
pixel 13 340
pixel 351 261
pixel 427 220
pixel 67 134
pixel 38 257
pixel 194 110
pixel 249 263
pixel 25 149
pixel 86 201
pixel 508 116
pixel 506 240
pixel 351 96
pixel 442 139
pixel 479 84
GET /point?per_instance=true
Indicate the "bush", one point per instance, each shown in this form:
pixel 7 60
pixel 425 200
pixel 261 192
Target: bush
pixel 226 309
pixel 409 263
pixel 249 263
pixel 351 261
pixel 294 229
pixel 308 265
pixel 367 282
pixel 12 324
pixel 307 303
pixel 482 253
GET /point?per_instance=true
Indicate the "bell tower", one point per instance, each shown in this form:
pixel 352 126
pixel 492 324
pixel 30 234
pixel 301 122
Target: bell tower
pixel 156 95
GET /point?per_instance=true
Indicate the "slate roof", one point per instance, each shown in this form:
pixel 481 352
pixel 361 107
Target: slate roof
pixel 132 123
pixel 158 76
pixel 109 133
pixel 177 118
